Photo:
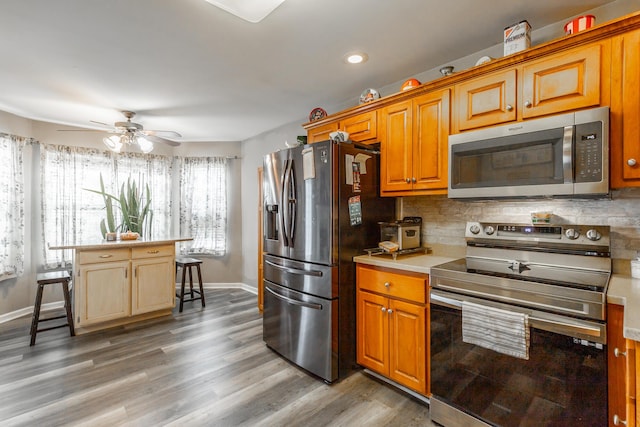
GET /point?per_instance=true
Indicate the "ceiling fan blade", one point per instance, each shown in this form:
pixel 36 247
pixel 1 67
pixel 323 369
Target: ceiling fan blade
pixel 100 123
pixel 154 138
pixel 169 133
pixel 82 130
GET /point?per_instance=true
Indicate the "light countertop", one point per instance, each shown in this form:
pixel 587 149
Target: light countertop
pixel 417 263
pixel 103 244
pixel 625 291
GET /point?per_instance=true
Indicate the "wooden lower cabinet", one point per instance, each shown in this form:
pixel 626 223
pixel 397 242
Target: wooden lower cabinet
pixel 115 285
pixel 392 316
pixel 622 368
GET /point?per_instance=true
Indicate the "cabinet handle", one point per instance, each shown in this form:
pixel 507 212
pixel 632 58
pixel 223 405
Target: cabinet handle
pixel 106 256
pixel 617 421
pixel 389 311
pixel 413 179
pixel 618 353
pixel 153 252
pixel 387 284
pixel 383 309
pixel 408 180
pixel 632 162
pixel 528 104
pixel 509 107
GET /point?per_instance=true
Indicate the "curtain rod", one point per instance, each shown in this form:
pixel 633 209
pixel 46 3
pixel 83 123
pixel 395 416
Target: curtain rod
pixel 27 140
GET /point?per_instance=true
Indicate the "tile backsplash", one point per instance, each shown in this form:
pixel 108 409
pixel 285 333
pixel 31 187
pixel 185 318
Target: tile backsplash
pixel 444 219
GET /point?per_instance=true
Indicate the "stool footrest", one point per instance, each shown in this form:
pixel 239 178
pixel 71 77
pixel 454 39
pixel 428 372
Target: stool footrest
pixel 52 327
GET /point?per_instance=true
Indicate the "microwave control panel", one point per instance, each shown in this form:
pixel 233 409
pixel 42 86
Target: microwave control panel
pixel 588 152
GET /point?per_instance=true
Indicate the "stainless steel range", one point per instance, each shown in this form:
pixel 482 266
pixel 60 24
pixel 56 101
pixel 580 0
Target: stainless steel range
pixel 518 327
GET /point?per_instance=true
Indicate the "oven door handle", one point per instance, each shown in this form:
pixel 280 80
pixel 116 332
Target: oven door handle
pixel 294 301
pixel 597 332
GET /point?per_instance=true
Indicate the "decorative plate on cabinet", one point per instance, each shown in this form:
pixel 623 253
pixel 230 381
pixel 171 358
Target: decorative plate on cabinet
pixel 317 114
pixel 369 95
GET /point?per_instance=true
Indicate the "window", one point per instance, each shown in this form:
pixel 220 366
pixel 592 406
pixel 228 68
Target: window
pixel 71 214
pixel 203 204
pixel 11 207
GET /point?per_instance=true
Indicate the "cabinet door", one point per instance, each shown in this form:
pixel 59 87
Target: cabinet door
pixel 372 332
pixel 321 133
pixel 362 127
pixel 153 284
pixel 396 147
pixel 430 139
pixel 103 292
pixel 562 82
pixel 486 101
pixel 625 111
pixel 407 345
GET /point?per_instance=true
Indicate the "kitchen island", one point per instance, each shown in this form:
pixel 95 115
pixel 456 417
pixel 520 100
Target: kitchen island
pixel 121 282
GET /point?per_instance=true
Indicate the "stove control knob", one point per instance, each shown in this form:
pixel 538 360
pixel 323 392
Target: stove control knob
pixel 572 234
pixel 489 230
pixel 475 229
pixel 593 235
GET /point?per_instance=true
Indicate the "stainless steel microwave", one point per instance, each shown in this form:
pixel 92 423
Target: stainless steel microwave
pixel 562 155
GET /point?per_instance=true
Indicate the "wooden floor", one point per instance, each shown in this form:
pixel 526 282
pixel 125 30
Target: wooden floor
pixel 201 367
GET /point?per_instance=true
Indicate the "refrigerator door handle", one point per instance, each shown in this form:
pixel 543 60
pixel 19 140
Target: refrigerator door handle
pixel 284 202
pixel 315 273
pixel 293 208
pixel 294 301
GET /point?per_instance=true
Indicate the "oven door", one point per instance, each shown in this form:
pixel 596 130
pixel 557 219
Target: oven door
pixel 564 381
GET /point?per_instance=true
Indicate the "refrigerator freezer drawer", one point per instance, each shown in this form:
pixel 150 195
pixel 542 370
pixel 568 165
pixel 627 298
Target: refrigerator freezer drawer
pixel 299 327
pixel 305 277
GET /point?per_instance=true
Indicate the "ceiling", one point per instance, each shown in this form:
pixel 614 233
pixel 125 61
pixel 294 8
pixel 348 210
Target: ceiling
pixel 187 66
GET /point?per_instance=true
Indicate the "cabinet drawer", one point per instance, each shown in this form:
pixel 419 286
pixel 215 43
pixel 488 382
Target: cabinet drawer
pixel 405 286
pixel 152 251
pixel 103 255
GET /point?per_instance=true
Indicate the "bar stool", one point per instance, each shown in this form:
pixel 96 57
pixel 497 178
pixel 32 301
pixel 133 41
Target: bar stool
pixel 187 264
pixel 52 278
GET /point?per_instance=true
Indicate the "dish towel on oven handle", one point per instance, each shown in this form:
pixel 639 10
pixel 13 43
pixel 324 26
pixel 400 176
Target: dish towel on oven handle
pixel 499 330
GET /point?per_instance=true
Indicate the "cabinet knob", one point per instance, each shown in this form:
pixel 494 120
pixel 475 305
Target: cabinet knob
pixel 528 104
pixel 617 421
pixel 389 311
pixel 387 284
pixel 413 180
pixel 384 310
pixel 408 180
pixel 618 353
pixel 509 107
pixel 632 162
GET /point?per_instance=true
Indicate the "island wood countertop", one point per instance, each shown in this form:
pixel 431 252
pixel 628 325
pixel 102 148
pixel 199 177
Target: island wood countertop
pixel 90 244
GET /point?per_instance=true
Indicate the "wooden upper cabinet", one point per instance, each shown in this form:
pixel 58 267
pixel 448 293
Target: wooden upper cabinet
pixel 562 82
pixel 414 136
pixel 361 127
pixel 321 133
pixel 625 111
pixel 486 100
pixel 396 147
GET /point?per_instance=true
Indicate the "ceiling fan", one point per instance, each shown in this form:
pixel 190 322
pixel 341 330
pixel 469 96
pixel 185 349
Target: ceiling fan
pixel 130 133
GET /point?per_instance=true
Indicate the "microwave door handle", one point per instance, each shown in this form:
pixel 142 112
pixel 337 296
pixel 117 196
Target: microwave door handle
pixel 567 153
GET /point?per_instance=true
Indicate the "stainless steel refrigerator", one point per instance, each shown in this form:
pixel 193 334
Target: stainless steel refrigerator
pixel 321 208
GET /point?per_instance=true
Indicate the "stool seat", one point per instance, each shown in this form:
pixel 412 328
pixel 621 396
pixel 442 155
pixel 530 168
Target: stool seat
pixel 186 263
pixel 51 278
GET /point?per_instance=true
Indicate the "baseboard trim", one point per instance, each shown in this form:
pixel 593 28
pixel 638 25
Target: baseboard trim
pixel 28 311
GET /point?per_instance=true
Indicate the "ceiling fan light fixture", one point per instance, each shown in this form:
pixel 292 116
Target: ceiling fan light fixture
pixel 145 145
pixel 252 11
pixel 113 143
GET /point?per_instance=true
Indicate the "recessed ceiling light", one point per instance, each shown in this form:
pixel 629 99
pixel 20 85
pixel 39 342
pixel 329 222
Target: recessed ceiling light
pixel 356 58
pixel 253 11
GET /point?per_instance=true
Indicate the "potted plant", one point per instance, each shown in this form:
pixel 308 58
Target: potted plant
pixel 134 206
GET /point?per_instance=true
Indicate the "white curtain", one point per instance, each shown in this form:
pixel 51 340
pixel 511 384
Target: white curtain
pixel 72 214
pixel 203 204
pixel 12 206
